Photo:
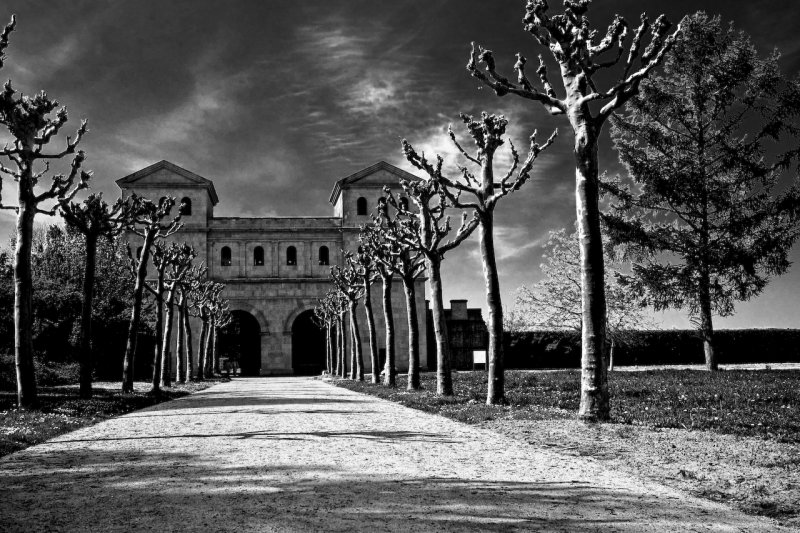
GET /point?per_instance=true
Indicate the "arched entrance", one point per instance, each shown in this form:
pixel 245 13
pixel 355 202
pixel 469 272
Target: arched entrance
pixel 240 341
pixel 308 345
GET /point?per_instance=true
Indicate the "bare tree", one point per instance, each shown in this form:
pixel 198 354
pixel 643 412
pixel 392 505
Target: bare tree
pixel 434 225
pixel 179 260
pixel 374 246
pixel 189 291
pixel 347 282
pixel 364 266
pixel 94 219
pixel 486 192
pixel 582 60
pixel 28 120
pixel 149 224
pixel 324 318
pixel 395 230
pixel 555 301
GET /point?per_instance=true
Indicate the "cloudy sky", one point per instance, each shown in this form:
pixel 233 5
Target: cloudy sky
pixel 274 100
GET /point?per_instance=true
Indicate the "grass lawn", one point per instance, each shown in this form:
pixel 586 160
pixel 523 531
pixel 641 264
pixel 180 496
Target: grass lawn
pixel 61 410
pixel 731 436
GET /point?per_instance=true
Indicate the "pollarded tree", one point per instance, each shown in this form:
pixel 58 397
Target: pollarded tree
pixel 582 57
pixel 150 222
pixel 94 219
pixel 29 123
pixel 485 192
pixel 179 260
pixel 705 145
pixel 220 317
pixel 373 245
pixel 364 266
pixel 434 226
pixel 555 301
pixel 347 282
pixel 324 317
pixel 203 293
pixel 189 289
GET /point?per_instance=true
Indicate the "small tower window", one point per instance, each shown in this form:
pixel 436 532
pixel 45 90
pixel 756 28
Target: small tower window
pixel 291 255
pixel 225 259
pixel 361 206
pixel 258 256
pixel 323 255
pixel 186 206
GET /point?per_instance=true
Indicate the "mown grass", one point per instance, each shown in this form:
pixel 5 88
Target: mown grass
pixel 762 403
pixel 61 410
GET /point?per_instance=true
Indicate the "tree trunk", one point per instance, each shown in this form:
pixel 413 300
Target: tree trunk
pixel 357 370
pixel 707 328
pixel 594 379
pixel 413 334
pixel 389 378
pixel 342 348
pixel 328 359
pixel 180 371
pixel 373 339
pixel 136 313
pixel 611 350
pixel 495 394
pixel 23 299
pixel 201 354
pixel 444 377
pixel 157 358
pixel 166 349
pixel 208 358
pixel 337 344
pixel 188 342
pixel 87 359
pixel 214 347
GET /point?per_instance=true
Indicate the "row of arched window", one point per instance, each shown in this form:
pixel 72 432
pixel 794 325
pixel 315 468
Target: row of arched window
pixel 323 256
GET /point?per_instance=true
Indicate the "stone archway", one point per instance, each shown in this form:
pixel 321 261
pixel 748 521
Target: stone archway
pixel 308 345
pixel 241 341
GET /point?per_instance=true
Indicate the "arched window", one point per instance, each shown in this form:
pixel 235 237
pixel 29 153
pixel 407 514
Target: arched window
pixel 361 206
pixel 403 203
pixel 258 256
pixel 186 206
pixel 291 255
pixel 324 255
pixel 225 258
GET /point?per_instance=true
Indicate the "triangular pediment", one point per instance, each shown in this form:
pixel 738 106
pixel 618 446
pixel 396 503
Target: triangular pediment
pixel 166 174
pixel 381 173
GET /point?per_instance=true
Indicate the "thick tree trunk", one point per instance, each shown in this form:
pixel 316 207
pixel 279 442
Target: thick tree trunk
pixel 166 349
pixel 594 379
pixel 87 359
pixel 23 300
pixel 211 342
pixel 444 377
pixel 373 338
pixel 342 348
pixel 136 314
pixel 180 349
pixel 201 354
pixel 389 378
pixel 707 328
pixel 157 358
pixel 413 334
pixel 495 394
pixel 188 342
pixel 357 370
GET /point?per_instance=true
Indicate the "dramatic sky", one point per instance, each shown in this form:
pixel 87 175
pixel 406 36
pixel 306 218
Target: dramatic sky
pixel 275 100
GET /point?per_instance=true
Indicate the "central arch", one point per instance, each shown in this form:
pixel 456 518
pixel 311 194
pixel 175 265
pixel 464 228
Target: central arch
pixel 240 341
pixel 308 345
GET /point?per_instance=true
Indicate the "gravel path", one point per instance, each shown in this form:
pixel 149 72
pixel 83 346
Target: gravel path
pixel 293 454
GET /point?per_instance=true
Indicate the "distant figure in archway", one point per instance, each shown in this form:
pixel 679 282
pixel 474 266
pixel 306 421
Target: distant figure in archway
pixel 240 343
pixel 308 345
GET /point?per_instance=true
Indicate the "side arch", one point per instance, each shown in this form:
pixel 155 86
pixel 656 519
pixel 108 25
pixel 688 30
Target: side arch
pixel 243 305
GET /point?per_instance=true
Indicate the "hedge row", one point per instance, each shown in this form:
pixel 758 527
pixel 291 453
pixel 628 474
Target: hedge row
pixel 560 349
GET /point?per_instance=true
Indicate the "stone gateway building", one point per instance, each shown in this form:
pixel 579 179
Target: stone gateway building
pixel 275 269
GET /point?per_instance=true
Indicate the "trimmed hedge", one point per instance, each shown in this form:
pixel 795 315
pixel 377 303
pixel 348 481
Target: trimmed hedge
pixel 562 349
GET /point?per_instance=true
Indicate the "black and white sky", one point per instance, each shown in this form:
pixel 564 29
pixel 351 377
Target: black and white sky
pixel 274 100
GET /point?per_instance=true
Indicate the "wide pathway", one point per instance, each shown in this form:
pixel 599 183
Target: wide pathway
pixel 292 454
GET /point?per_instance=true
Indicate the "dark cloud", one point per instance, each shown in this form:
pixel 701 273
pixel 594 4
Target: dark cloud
pixel 276 100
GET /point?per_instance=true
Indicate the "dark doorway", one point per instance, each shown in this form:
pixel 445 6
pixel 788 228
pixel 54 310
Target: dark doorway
pixel 308 345
pixel 240 342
